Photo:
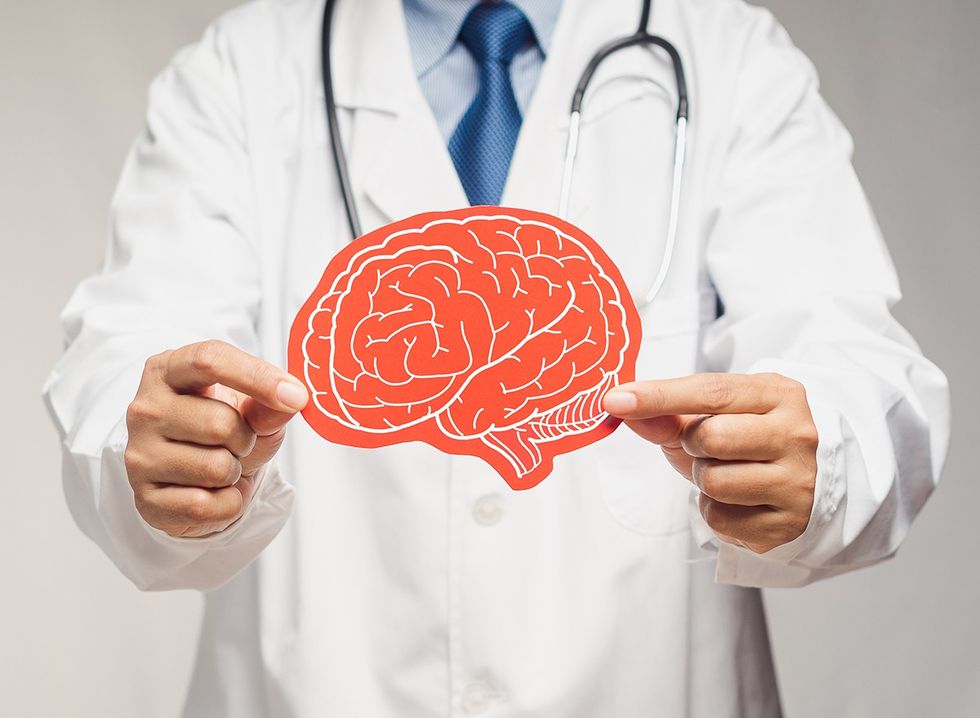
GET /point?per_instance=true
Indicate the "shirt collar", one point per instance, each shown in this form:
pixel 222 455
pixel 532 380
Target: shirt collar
pixel 434 25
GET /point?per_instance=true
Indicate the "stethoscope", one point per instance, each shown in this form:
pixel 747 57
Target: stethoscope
pixel 640 38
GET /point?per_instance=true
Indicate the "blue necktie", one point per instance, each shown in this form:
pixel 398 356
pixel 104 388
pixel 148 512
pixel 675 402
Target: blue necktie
pixel 483 143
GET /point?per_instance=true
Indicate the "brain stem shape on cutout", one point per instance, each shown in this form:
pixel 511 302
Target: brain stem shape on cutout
pixel 485 331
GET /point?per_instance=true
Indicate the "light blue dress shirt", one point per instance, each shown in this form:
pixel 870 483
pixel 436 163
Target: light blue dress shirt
pixel 448 75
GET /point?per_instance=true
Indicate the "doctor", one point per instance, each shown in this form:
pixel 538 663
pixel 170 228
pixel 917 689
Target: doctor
pixel 804 433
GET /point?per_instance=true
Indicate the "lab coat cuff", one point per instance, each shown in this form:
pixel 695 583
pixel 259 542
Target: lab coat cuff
pixel 151 558
pixel 271 498
pixel 783 566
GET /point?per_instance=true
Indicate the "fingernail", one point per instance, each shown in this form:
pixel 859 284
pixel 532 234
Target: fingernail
pixel 619 402
pixel 292 394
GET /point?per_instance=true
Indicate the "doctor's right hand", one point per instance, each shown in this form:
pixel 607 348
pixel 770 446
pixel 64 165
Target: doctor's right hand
pixel 205 419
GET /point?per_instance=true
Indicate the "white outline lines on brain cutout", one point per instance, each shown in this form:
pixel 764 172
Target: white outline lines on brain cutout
pixel 485 332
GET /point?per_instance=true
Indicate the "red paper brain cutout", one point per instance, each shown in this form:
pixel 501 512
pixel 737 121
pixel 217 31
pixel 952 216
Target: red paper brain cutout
pixel 486 331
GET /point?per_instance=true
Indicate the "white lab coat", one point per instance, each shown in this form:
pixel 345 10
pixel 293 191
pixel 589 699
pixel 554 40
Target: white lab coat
pixel 403 582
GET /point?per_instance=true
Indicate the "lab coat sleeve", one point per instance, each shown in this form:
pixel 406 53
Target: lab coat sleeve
pixel 181 267
pixel 807 284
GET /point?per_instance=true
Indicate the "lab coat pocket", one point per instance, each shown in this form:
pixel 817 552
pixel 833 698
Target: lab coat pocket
pixel 640 490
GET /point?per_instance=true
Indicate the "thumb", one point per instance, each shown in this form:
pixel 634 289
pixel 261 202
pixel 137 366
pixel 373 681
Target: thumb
pixel 269 426
pixel 663 430
pixel 265 448
pixel 666 431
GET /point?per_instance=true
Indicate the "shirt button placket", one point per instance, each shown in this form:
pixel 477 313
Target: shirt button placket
pixel 477 509
pixel 457 515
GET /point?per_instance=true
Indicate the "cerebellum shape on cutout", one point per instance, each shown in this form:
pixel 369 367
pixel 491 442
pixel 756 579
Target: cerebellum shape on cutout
pixel 485 331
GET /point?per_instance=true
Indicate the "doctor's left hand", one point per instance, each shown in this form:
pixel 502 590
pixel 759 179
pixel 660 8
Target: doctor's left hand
pixel 748 442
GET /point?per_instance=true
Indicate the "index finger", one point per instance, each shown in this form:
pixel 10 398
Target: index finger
pixel 197 366
pixel 695 394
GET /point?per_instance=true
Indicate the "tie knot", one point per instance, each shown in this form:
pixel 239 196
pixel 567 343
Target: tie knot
pixel 495 31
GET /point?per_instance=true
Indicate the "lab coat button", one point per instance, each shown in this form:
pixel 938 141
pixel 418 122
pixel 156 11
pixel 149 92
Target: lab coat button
pixel 477 698
pixel 488 511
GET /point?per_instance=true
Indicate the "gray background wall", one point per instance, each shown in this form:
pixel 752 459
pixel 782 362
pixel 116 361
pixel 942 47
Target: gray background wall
pixel 76 640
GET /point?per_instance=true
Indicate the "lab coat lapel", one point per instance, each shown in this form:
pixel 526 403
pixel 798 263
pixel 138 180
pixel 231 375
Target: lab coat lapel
pixel 399 162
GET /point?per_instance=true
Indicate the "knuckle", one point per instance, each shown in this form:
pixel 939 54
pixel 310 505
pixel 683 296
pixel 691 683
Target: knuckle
pixel 251 439
pixel 205 356
pixel 712 482
pixel 716 394
pixel 221 468
pixel 713 440
pixel 156 362
pixel 133 459
pixel 698 471
pixel 805 435
pixel 140 411
pixel 794 387
pixel 197 507
pixel 235 472
pixel 223 424
pixel 790 387
pixel 778 380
